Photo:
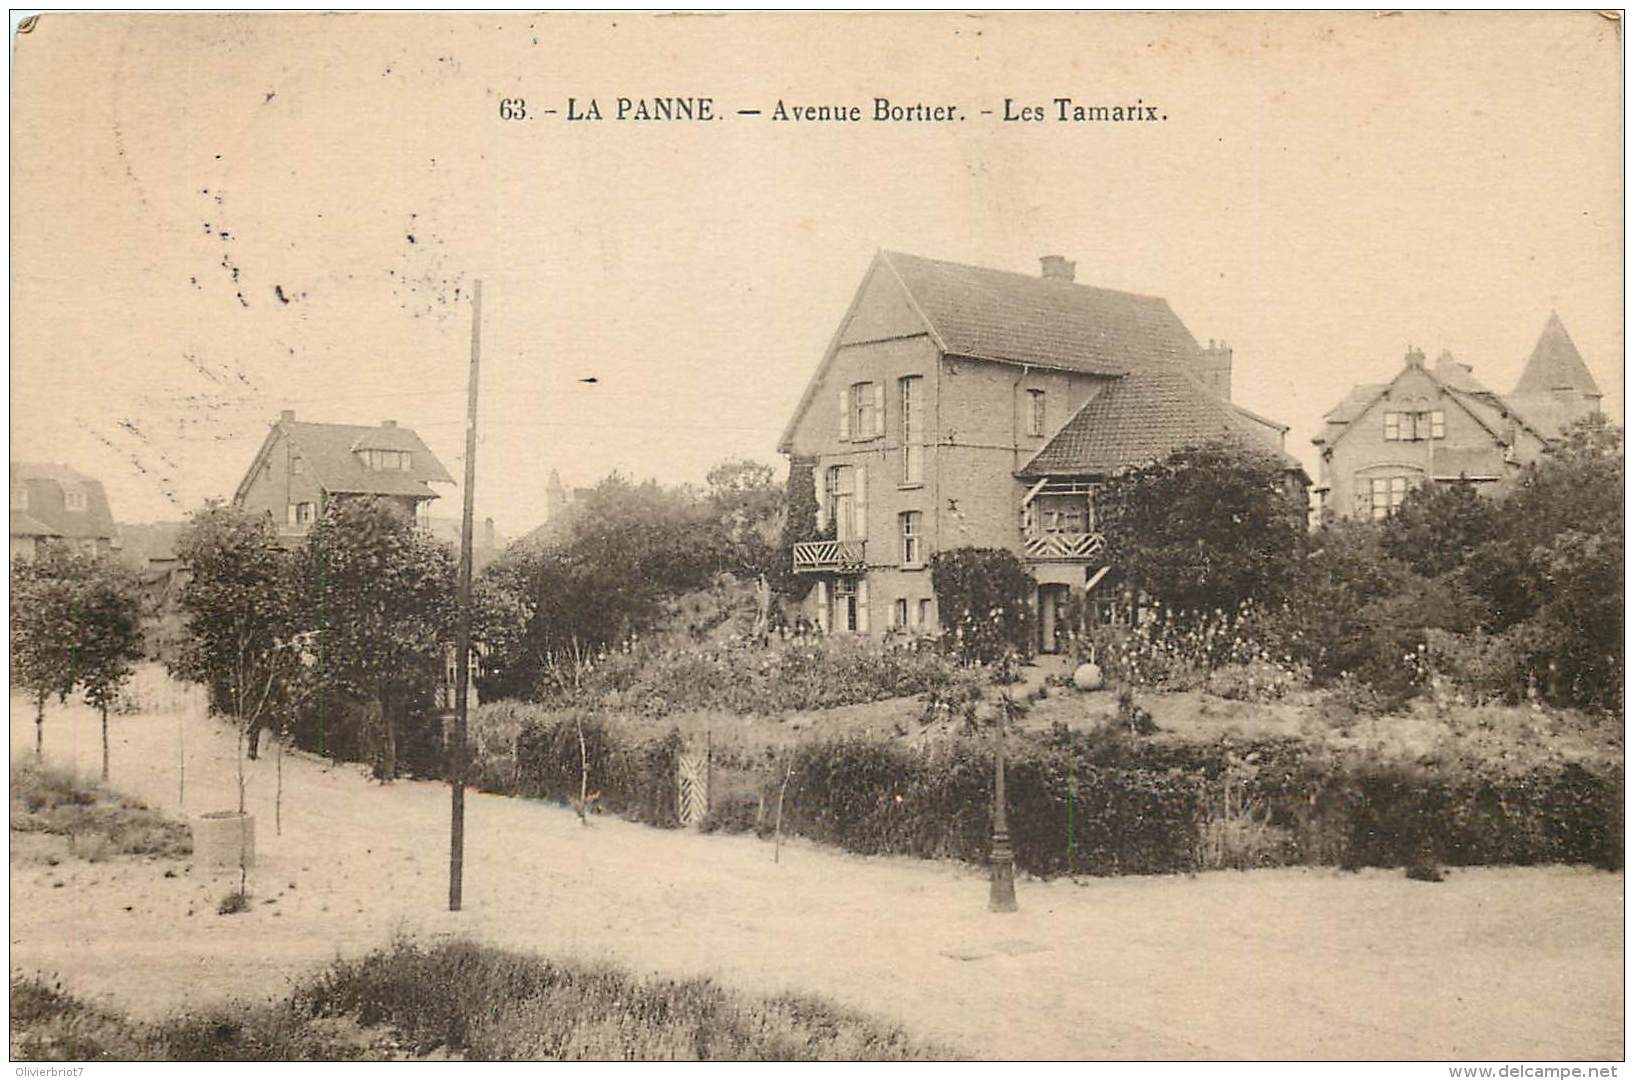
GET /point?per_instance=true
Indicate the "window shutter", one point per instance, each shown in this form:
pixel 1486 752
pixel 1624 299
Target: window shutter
pixel 862 606
pixel 859 527
pixel 845 412
pixel 822 607
pixel 818 476
pixel 879 409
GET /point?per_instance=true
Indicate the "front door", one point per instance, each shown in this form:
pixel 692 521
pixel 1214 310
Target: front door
pixel 1050 599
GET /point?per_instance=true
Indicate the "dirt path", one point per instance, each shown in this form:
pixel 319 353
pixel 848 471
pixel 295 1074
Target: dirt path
pixel 1514 963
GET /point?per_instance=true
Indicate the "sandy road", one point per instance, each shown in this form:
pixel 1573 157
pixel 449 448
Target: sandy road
pixel 1506 963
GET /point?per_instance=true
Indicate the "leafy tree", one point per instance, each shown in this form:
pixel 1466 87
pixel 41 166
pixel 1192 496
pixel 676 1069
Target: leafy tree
pixel 1207 527
pixel 626 548
pixel 984 600
pixel 106 613
pixel 378 603
pixel 746 504
pixel 44 639
pixel 1439 526
pixel 240 607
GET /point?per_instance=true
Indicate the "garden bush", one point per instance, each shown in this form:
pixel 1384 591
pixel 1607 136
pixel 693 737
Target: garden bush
pixel 656 678
pixel 1107 801
pixel 558 753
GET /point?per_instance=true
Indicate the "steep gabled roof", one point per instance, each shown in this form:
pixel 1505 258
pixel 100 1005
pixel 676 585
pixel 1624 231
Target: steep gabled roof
pixel 1487 408
pixel 1154 410
pixel 1014 318
pixel 1555 364
pixel 1010 318
pixel 330 453
pixel 48 485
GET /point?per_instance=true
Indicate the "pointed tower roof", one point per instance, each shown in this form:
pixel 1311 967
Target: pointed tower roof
pixel 1555 364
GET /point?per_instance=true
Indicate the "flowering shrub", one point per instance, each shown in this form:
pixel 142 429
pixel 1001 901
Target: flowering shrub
pixel 1257 681
pixel 802 672
pixel 1182 651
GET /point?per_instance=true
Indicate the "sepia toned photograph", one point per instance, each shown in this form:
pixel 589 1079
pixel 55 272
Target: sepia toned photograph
pixel 840 536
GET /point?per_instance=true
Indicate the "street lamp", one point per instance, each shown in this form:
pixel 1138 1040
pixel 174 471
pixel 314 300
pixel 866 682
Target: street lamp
pixel 1001 896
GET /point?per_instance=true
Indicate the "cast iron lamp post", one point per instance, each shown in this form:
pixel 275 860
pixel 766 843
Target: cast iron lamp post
pixel 1001 895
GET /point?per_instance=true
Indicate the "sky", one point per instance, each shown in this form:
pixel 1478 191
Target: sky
pixel 217 217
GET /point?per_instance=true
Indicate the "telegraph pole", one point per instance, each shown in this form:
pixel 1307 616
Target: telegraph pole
pixel 462 656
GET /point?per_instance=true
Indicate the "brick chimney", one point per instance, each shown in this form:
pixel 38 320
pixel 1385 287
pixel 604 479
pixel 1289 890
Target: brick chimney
pixel 1057 268
pixel 1415 357
pixel 1214 368
pixel 287 416
pixel 388 424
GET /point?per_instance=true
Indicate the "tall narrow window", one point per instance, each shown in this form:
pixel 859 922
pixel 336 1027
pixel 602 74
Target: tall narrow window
pixel 297 465
pixel 913 429
pixel 1392 426
pixel 1035 412
pixel 912 556
pixel 899 612
pixel 1438 424
pixel 865 410
pixel 842 501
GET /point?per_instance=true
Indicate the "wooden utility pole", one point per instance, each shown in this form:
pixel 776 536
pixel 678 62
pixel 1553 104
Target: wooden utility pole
pixel 462 656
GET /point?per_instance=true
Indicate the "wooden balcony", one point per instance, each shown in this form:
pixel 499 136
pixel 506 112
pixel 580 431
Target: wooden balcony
pixel 1062 547
pixel 833 555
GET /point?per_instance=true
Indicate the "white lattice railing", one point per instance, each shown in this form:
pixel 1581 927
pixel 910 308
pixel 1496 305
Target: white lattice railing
pixel 1063 547
pixel 828 555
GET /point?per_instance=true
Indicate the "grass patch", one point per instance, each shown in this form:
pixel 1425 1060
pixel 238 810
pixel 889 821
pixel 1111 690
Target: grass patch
pixel 98 824
pixel 462 1000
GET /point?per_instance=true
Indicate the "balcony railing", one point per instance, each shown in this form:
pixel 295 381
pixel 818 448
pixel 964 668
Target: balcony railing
pixel 1062 547
pixel 831 555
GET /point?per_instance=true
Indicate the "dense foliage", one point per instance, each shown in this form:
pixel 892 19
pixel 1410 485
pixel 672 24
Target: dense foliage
pixel 341 643
pixel 1207 527
pixel 1499 596
pixel 1100 802
pixel 75 624
pixel 459 1000
pixel 984 599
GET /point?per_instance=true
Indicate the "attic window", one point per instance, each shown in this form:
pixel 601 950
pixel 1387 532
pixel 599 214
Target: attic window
pixel 297 465
pixel 398 461
pixel 74 498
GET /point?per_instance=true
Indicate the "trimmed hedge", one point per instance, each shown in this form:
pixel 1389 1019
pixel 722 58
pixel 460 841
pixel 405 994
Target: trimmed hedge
pixel 630 777
pixel 1104 802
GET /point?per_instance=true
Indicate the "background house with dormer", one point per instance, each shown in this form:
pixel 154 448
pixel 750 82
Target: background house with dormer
pixel 303 467
pixel 1441 425
pixel 58 505
pixel 962 406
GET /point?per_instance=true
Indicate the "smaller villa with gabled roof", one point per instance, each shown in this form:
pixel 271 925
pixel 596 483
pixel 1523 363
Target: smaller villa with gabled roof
pixel 303 467
pixel 1441 425
pixel 58 506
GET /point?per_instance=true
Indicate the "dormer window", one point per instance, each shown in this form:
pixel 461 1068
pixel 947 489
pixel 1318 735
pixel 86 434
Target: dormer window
pixel 397 461
pixel 74 498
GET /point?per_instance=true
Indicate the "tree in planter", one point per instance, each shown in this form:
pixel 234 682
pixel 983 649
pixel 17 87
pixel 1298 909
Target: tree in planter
pixel 106 614
pixel 239 607
pixel 1207 527
pixel 984 600
pixel 378 600
pixel 43 635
